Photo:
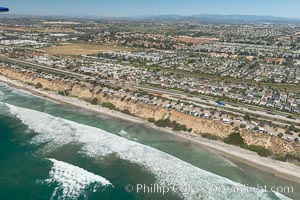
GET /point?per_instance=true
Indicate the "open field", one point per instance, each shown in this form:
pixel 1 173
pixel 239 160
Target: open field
pixel 10 28
pixel 82 49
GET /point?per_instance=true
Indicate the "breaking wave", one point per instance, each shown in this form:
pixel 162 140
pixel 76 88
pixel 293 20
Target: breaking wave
pixel 3 85
pixel 1 95
pixel 72 181
pixel 168 170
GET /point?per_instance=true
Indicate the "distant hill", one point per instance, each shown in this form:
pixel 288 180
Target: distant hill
pixel 200 17
pixel 216 17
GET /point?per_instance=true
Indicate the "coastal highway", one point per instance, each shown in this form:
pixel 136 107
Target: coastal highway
pixel 254 110
pixel 201 99
pixel 43 68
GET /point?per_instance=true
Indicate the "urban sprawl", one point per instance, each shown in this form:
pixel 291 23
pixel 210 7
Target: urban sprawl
pixel 244 75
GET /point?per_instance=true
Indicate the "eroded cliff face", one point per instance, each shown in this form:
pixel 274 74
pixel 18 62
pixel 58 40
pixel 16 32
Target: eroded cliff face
pixel 29 79
pixel 145 111
pixel 277 145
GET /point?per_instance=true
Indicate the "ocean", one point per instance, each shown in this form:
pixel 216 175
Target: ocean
pixel 54 151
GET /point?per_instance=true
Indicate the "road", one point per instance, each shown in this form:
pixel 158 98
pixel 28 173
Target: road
pixel 228 106
pixel 44 68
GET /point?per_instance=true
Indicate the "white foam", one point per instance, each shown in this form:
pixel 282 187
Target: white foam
pixel 123 133
pixel 1 95
pixel 168 170
pixel 3 85
pixel 72 181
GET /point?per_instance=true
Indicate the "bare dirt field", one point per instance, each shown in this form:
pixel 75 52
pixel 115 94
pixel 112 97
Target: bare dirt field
pixel 82 49
pixel 8 28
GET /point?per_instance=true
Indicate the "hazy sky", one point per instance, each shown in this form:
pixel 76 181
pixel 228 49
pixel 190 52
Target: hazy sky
pixel 119 8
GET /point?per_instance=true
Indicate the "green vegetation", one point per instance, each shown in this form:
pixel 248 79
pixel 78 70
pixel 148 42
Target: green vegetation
pixel 280 135
pixel 234 138
pixel 280 157
pixel 123 98
pixel 178 127
pixel 293 128
pixel 163 122
pixel 64 93
pixel 247 117
pixel 288 157
pixel 293 157
pixel 151 120
pixel 168 123
pixel 109 105
pixel 243 126
pixel 260 150
pixel 126 111
pixel 210 136
pixel 94 101
pixel 38 85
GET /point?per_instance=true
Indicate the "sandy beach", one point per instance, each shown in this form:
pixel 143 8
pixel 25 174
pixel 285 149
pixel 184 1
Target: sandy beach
pixel 278 168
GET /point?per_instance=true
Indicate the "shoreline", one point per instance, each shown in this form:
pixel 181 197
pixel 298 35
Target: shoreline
pixel 280 169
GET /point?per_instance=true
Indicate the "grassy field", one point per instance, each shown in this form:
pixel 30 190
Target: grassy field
pixel 82 49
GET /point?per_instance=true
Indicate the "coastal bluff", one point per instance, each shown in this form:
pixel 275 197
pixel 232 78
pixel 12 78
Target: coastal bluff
pixel 197 125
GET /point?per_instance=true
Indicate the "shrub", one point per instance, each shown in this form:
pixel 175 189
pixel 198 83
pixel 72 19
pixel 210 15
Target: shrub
pixel 94 101
pixel 109 105
pixel 293 128
pixel 294 157
pixel 210 136
pixel 260 150
pixel 280 135
pixel 63 93
pixel 126 111
pixel 178 127
pixel 38 85
pixel 234 138
pixel 247 117
pixel 280 157
pixel 288 132
pixel 151 120
pixel 243 126
pixel 123 98
pixel 163 122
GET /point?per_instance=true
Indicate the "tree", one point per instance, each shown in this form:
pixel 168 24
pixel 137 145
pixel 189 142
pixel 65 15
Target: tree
pixel 234 138
pixel 242 126
pixel 247 117
pixel 94 101
pixel 38 85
